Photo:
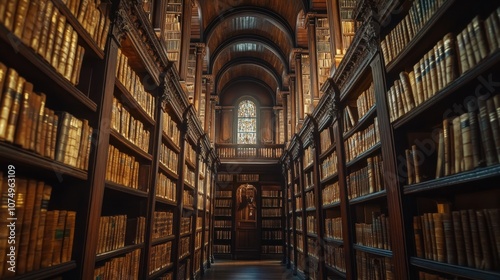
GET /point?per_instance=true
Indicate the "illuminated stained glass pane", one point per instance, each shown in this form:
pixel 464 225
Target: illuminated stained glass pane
pixel 247 123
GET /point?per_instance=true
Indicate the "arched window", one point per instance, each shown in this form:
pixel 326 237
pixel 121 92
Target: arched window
pixel 247 122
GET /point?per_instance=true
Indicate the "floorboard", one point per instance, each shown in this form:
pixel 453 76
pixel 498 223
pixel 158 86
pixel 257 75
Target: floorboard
pixel 248 270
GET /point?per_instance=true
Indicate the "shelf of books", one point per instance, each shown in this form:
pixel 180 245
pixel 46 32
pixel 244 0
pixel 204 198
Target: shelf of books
pixel 323 49
pixel 172 30
pixel 223 216
pixel 306 83
pixel 449 179
pixel 347 21
pixel 272 228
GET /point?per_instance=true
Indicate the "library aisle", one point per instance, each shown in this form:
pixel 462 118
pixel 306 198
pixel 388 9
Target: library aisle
pixel 248 270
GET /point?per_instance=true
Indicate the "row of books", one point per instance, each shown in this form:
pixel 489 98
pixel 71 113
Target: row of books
pixel 112 233
pixel 334 257
pixel 325 140
pixel 477 40
pixel 271 223
pixel 223 224
pixel 271 212
pixel 189 175
pixel 185 226
pixel 268 193
pixel 170 128
pixel 190 153
pixel 298 224
pixel 222 212
pixel 161 256
pixel 169 158
pixel 310 199
pixel 166 187
pixel 200 201
pixel 199 222
pixel 223 193
pixel 348 27
pixel 123 169
pixel 308 156
pixel 126 267
pixel 333 228
pixel 162 224
pixel 37 245
pixel 311 224
pixel 271 249
pixel 367 179
pixel 222 234
pixel 347 4
pixel 375 234
pixel 312 248
pixel 372 267
pixel 365 101
pixel 27 122
pixel 184 247
pixel 133 83
pixel 44 28
pixel 435 70
pixel 197 240
pixel 362 141
pixel 330 194
pixel 309 179
pixel 329 166
pixel 129 127
pixel 470 140
pixel 222 249
pixel 91 18
pixel 463 237
pixel 298 203
pixel 187 198
pixel 419 14
pixel 272 202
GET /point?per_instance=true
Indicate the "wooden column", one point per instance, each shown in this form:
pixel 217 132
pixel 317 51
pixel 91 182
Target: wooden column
pixel 298 88
pixel 293 106
pixel 313 59
pixel 213 102
pixel 185 39
pixel 200 53
pixel 334 22
pixel 285 116
pixel 208 106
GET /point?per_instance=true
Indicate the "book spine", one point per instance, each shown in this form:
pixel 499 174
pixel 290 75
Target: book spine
pixel 14 110
pixel 486 134
pixel 459 238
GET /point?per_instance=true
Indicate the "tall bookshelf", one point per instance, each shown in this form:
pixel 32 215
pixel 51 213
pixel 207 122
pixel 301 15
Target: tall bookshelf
pixel 411 202
pixel 347 22
pixel 272 222
pixel 223 212
pixel 323 49
pixel 105 153
pixel 172 30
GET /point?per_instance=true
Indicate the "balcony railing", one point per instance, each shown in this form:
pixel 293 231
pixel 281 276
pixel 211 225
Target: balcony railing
pixel 249 151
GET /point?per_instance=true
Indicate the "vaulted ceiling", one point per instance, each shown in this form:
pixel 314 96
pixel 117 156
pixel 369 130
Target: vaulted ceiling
pixel 251 40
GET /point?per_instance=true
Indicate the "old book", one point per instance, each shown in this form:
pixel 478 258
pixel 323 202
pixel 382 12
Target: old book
pixel 14 111
pixel 35 38
pixel 469 48
pixel 492 220
pixel 490 26
pixel 486 134
pixel 484 240
pixel 495 127
pixel 34 226
pixel 29 205
pixel 477 158
pixel 459 238
pixel 439 65
pixel 47 191
pixel 449 58
pixel 462 53
pixel 405 81
pixel 68 51
pixel 409 167
pixel 10 15
pixel 457 145
pixel 424 69
pixel 53 33
pixel 433 236
pixel 427 236
pixel 59 237
pixel 75 77
pixel 58 41
pixel 83 10
pixel 447 139
pixel 466 142
pixel 417 229
pixel 474 45
pixel 415 163
pixel 433 72
pixel 82 145
pixel 478 29
pixel 44 131
pixel 62 136
pixel 23 125
pixel 476 245
pixel 440 155
pixel 69 232
pixel 451 250
pixel 49 238
pixel 31 18
pixel 467 236
pixel 36 130
pixel 7 100
pixel 20 17
pixel 45 29
pixel 400 102
pixel 55 125
pixel 437 219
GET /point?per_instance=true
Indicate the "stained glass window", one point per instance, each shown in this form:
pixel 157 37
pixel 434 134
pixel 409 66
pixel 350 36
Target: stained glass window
pixel 247 122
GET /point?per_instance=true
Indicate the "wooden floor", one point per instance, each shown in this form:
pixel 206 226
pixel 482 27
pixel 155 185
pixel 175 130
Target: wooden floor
pixel 248 270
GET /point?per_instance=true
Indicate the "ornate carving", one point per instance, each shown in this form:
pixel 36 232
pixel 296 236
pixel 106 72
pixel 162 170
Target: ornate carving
pixel 122 25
